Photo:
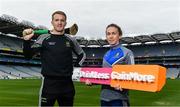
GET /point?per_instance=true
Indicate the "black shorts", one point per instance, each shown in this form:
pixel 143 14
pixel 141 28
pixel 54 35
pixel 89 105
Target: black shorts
pixel 57 88
pixel 58 85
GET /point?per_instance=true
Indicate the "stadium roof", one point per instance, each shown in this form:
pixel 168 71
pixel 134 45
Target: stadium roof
pixel 11 25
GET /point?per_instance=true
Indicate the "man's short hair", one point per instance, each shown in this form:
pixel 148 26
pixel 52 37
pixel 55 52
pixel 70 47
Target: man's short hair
pixel 116 26
pixel 59 12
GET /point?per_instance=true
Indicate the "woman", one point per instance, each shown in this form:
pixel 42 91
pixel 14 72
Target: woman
pixel 116 55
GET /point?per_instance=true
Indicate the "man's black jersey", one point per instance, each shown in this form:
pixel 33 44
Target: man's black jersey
pixel 56 53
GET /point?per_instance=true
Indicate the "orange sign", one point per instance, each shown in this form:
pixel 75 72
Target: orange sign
pixel 139 77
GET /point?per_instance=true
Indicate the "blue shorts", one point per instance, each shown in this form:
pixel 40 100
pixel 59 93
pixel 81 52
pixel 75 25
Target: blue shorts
pixel 120 103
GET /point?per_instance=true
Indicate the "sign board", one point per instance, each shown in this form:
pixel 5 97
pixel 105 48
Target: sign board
pixel 136 77
pixel 139 77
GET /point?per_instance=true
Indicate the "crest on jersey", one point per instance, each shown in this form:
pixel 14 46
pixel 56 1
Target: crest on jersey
pixel 68 44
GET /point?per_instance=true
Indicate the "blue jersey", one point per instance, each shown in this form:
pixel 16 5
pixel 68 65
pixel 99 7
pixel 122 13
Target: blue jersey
pixel 116 55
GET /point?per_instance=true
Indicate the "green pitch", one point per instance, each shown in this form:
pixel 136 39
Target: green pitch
pixel 25 93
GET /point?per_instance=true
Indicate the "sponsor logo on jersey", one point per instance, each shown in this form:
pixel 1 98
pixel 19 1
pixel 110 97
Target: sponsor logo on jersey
pixel 51 43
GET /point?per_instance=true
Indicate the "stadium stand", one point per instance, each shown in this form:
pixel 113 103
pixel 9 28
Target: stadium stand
pixel 161 48
pixel 9 69
pixel 173 73
pixel 4 75
pixel 10 43
pixel 31 71
pixel 18 71
pixel 156 50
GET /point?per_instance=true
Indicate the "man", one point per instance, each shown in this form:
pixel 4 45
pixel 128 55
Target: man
pixel 116 55
pixel 57 62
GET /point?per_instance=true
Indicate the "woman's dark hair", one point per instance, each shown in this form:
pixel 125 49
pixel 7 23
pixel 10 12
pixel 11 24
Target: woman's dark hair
pixel 116 26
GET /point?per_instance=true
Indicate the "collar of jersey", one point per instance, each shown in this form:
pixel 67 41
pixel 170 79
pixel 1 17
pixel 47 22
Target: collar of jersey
pixel 115 46
pixel 56 35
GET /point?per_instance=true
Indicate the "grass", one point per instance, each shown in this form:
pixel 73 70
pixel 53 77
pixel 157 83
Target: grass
pixel 25 93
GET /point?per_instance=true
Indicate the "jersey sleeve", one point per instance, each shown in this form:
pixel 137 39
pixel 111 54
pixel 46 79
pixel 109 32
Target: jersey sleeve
pixel 81 56
pixel 79 52
pixel 32 48
pixel 130 58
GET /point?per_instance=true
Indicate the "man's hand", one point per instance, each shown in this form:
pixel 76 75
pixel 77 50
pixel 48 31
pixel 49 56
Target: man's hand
pixel 28 34
pixel 118 87
pixel 87 82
